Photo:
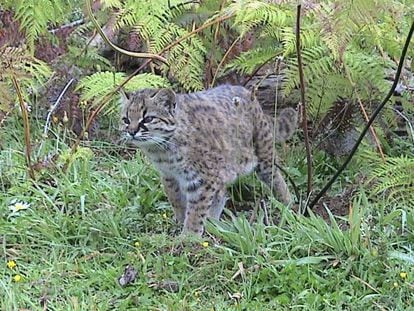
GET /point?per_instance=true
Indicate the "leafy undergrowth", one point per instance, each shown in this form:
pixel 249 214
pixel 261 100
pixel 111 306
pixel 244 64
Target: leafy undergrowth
pixel 67 238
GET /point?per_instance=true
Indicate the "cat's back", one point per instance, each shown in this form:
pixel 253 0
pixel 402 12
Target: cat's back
pixel 224 98
pixel 216 128
pixel 217 112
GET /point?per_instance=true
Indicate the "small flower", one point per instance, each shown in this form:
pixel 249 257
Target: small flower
pixel 403 275
pixel 27 107
pixel 164 215
pixel 55 119
pixel 18 206
pixel 11 264
pixel 65 117
pixel 137 244
pixel 204 244
pixel 395 284
pixel 17 278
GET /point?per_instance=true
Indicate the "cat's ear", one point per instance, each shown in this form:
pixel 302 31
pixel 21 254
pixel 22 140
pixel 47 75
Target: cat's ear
pixel 124 97
pixel 166 98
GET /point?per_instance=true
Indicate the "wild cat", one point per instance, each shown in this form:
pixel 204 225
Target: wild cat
pixel 201 142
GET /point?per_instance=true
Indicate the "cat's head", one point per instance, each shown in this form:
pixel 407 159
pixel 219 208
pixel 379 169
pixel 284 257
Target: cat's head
pixel 147 116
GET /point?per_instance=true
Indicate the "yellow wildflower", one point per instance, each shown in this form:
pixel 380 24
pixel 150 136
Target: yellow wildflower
pixel 395 284
pixel 137 244
pixel 11 264
pixel 17 278
pixel 164 215
pixel 204 244
pixel 403 275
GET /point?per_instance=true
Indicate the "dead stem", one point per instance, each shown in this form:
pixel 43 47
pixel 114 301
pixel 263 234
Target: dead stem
pixel 26 126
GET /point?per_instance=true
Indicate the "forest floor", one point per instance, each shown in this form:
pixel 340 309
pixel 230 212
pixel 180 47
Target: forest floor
pixel 68 236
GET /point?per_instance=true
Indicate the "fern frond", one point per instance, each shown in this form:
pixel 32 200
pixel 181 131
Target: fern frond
pixel 367 71
pixel 152 21
pixel 88 58
pixel 111 3
pixel 322 93
pixel 19 63
pixel 36 15
pixel 250 14
pixel 394 178
pixel 97 85
pixel 317 65
pixel 336 26
pixel 186 59
pixel 148 15
pixel 248 61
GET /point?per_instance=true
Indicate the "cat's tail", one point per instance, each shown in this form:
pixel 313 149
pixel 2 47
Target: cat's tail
pixel 286 124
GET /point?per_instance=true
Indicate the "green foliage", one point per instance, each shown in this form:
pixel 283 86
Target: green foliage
pixel 394 179
pixel 105 212
pixel 97 84
pixel 347 46
pixel 29 71
pixel 35 16
pixel 186 59
pixel 247 62
pixel 90 59
pixel 240 234
pixel 252 14
pixel 100 208
pixel 341 241
pixel 153 23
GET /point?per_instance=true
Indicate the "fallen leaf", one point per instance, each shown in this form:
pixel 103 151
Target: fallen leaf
pixel 128 276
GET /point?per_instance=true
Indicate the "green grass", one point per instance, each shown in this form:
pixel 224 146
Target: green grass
pixel 85 225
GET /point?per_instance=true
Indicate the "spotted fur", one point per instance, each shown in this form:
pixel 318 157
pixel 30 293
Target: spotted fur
pixel 200 142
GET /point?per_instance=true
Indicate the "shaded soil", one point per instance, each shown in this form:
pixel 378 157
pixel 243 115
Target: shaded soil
pixel 338 204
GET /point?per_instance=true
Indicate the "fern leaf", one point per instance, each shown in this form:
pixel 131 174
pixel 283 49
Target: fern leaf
pixel 36 15
pixel 367 71
pixel 97 85
pixel 248 61
pixel 186 59
pixel 152 21
pixel 111 3
pixel 394 178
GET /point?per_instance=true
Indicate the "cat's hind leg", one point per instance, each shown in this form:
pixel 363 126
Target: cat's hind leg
pixel 267 162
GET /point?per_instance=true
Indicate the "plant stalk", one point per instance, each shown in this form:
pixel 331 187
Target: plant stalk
pixel 26 126
pixel 302 98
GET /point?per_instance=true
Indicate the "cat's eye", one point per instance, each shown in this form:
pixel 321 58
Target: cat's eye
pixel 148 119
pixel 126 120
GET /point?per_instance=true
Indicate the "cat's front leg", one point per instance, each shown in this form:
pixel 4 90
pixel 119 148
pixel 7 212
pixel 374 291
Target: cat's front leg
pixel 202 198
pixel 176 197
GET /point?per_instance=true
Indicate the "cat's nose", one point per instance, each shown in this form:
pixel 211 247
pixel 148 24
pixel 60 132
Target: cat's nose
pixel 132 133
